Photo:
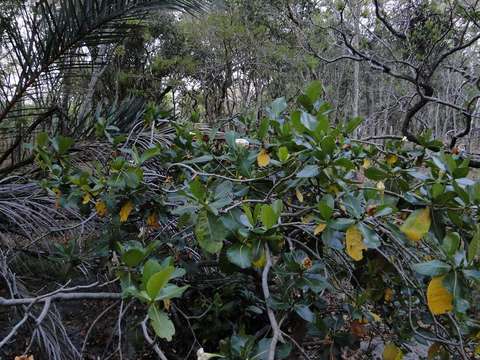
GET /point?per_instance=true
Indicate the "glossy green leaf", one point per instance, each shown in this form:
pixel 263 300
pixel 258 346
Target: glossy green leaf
pixel 133 257
pixel 210 232
pixel 158 280
pixel 309 171
pixel 240 255
pixel 432 268
pixel 161 323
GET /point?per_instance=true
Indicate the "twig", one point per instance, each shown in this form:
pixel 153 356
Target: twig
pixel 155 347
pixel 277 333
pixel 93 325
pixel 61 296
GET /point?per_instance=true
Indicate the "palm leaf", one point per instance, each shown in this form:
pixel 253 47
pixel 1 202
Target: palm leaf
pixel 44 41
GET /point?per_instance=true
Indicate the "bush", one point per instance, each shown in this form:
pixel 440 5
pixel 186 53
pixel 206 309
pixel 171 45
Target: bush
pixel 258 240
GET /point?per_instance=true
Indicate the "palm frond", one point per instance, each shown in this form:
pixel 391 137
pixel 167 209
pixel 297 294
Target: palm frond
pixel 47 41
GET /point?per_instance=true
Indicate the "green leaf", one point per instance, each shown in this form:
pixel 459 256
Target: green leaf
pixel 341 224
pixel 199 160
pixel 432 268
pixel 375 174
pixel 161 323
pixel 158 281
pixel 305 313
pixel 309 171
pixel 473 275
pixel 328 144
pixel 451 242
pixel 41 139
pixel 314 90
pixel 283 154
pixel 263 129
pixel 240 255
pixel 62 144
pixel 171 291
pixel 268 216
pixel 353 124
pixel 277 207
pixel 198 190
pixel 278 106
pixel 326 206
pixel 308 121
pixel 353 205
pixel 149 268
pixel 133 177
pixel 133 257
pixel 149 154
pixel 210 232
pixel 370 237
pixel 474 246
pixel 323 124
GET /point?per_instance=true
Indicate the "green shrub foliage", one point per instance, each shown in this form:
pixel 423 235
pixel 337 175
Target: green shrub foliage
pixel 293 230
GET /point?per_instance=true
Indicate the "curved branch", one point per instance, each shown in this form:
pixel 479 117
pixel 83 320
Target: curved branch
pixel 386 23
pixel 277 333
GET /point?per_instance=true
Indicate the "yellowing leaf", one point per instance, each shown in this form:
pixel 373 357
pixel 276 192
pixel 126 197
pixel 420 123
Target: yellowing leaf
pixel 260 262
pixel 391 159
pixel 375 317
pixel 125 211
pixel 307 218
pixel 366 163
pixel 101 208
pixel 166 304
pixel 58 196
pixel 333 189
pixel 86 198
pixel 417 224
pixel 354 243
pixel 392 352
pixel 299 195
pixel 388 296
pixel 152 220
pixel 263 159
pixel 439 299
pixel 319 228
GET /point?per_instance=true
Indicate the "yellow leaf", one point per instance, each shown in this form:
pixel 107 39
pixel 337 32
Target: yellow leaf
pixel 375 317
pixel 152 220
pixel 263 159
pixel 333 189
pixel 319 228
pixel 299 195
pixel 307 218
pixel 391 159
pixel 439 299
pixel 388 296
pixel 260 262
pixel 58 196
pixel 101 208
pixel 366 163
pixel 125 211
pixel 354 243
pixel 86 198
pixel 166 304
pixel 417 224
pixel 392 352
